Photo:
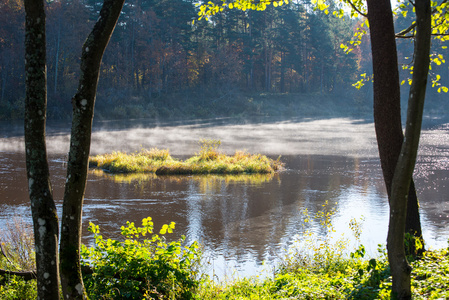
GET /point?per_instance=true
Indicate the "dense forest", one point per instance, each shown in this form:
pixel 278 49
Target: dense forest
pixel 160 63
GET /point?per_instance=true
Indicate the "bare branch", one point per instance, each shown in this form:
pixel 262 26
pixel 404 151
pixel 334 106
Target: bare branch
pixel 402 34
pixel 28 275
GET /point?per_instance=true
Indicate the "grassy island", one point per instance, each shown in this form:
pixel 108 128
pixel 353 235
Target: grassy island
pixel 208 161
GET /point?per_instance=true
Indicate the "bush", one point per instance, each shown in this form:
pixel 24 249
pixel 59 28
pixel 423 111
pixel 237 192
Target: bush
pixel 17 254
pixel 141 268
pixel 14 287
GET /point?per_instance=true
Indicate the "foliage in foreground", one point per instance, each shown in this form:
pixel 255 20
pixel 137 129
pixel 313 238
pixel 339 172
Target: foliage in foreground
pixel 141 267
pixel 317 267
pixel 208 161
pixel 351 278
pixel 145 267
pixel 17 254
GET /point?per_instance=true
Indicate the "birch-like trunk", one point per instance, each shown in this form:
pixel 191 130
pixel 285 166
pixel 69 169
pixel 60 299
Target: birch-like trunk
pixel 43 209
pixel 83 110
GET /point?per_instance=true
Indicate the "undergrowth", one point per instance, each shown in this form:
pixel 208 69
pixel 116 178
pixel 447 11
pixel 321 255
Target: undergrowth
pixel 143 265
pixel 324 267
pixel 17 254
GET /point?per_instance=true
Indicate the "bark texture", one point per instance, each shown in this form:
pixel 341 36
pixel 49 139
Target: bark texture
pixel 400 268
pixel 387 105
pixel 83 109
pixel 43 208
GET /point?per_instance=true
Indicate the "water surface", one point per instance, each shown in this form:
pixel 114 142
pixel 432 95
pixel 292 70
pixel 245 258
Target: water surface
pixel 243 221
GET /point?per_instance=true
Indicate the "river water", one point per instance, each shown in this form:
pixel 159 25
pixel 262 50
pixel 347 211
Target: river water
pixel 245 223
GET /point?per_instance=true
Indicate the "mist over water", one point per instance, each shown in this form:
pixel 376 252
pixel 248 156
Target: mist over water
pixel 242 221
pixel 338 136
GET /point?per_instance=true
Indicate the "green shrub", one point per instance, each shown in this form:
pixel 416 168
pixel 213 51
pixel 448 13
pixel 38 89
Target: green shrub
pixel 209 149
pixel 14 287
pixel 139 267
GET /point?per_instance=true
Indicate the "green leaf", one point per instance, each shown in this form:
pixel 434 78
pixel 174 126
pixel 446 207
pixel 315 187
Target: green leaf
pixel 164 229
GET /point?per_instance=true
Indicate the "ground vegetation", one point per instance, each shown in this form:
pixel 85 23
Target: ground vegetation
pixel 209 160
pixel 147 264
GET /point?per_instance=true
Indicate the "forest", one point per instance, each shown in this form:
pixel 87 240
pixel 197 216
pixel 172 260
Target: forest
pixel 162 62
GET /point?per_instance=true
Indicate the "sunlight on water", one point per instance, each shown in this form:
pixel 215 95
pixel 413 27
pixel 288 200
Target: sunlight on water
pixel 245 223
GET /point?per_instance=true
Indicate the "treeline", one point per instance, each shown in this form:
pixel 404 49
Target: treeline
pixel 160 63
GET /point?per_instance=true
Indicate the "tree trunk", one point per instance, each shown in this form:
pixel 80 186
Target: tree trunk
pixel 400 268
pixel 45 219
pixel 387 109
pixel 58 43
pixel 83 108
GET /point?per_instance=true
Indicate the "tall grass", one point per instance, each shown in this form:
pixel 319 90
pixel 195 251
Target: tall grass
pixel 17 243
pixel 315 267
pixel 17 254
pixel 208 161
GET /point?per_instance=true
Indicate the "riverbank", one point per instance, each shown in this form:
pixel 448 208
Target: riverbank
pixel 235 105
pixel 333 278
pixel 152 268
pixel 192 106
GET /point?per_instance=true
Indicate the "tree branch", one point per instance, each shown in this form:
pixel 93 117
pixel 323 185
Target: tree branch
pixel 402 34
pixel 26 275
pixel 4 254
pixel 356 9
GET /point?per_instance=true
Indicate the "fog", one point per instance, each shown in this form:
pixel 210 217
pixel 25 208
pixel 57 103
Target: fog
pixel 338 136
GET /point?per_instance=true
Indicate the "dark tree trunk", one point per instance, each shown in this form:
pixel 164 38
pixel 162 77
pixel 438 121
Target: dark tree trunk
pixel 45 219
pixel 83 108
pixel 400 270
pixel 387 109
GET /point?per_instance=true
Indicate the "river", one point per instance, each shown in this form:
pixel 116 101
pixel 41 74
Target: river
pixel 245 223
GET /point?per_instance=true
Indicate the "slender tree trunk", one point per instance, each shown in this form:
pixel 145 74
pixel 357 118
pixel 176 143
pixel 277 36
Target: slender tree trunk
pixel 387 109
pixel 282 80
pixel 58 43
pixel 400 268
pixel 83 108
pixel 45 219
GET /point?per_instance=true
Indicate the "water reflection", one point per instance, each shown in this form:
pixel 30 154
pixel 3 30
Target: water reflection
pixel 245 220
